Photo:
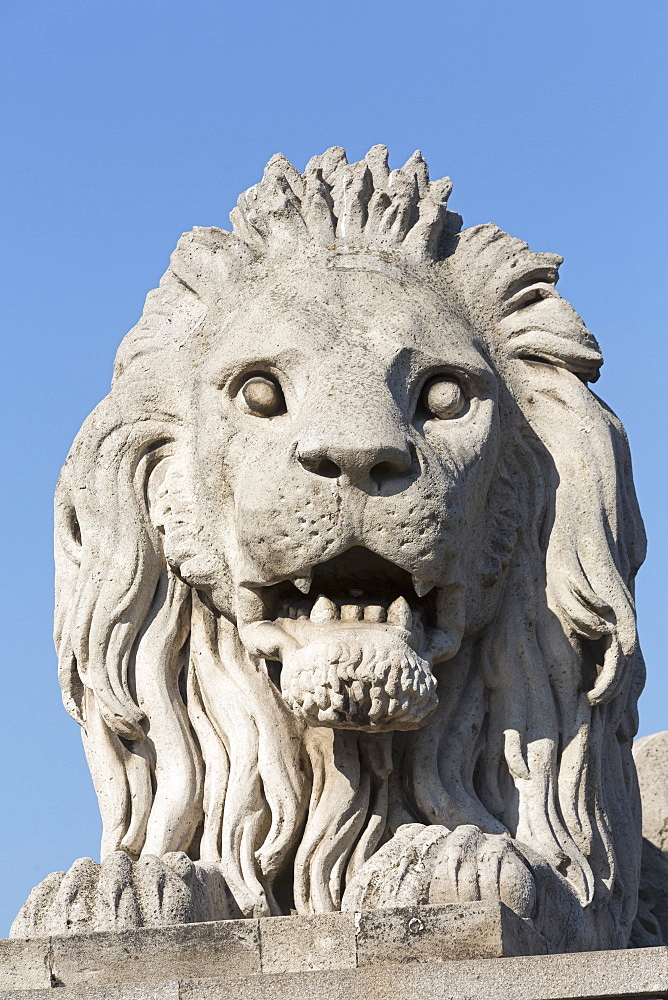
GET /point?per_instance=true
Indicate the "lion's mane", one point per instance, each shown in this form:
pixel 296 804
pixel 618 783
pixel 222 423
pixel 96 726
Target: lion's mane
pixel 191 746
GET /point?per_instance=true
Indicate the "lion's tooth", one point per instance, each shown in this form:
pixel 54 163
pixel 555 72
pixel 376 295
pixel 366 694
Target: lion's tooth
pixel 302 583
pixel 374 613
pixel 422 587
pixel 250 605
pixel 324 610
pixel 350 612
pixel 399 614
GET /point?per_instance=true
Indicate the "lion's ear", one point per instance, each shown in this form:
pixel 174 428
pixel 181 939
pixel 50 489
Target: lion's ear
pixel 510 293
pixel 539 325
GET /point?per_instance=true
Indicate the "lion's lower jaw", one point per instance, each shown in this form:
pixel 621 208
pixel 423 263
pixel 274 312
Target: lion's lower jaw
pixel 356 679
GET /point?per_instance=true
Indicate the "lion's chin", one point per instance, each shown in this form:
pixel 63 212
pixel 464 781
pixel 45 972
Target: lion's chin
pixel 366 679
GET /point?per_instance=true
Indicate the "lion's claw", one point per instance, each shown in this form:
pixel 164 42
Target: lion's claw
pixel 121 894
pixel 430 864
pixel 481 866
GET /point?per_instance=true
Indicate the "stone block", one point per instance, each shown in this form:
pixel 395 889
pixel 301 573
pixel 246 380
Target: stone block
pixel 233 948
pixel 24 964
pixel 128 991
pixel 651 759
pixel 636 974
pixel 157 954
pixel 324 941
pixel 437 933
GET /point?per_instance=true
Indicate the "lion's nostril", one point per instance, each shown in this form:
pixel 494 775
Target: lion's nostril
pixel 382 472
pixel 328 468
pixel 379 464
pixel 321 467
pixel 398 465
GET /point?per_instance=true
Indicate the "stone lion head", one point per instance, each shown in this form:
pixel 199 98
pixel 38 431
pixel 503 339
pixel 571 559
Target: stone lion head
pixel 351 545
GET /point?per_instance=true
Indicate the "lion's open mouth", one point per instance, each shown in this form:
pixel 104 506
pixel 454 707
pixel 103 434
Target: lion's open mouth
pixel 356 648
pixel 356 586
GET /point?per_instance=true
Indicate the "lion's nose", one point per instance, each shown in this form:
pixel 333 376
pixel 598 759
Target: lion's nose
pixel 377 462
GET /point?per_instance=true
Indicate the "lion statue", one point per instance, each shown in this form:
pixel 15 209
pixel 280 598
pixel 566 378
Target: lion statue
pixel 345 567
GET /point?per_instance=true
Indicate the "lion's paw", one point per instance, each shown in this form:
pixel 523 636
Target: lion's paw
pixel 474 865
pixel 121 894
pixel 430 864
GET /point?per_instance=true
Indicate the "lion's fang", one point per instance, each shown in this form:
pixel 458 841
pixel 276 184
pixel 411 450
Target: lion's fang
pixel 421 587
pixel 302 583
pixel 399 613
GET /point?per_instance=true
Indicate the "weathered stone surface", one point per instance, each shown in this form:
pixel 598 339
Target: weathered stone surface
pixel 296 944
pixel 135 991
pixel 429 933
pixel 270 945
pixel 651 759
pixel 345 568
pixel 156 955
pixel 627 975
pixel 24 964
pixel 651 924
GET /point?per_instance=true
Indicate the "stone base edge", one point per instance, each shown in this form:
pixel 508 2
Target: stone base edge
pixel 273 945
pixel 639 974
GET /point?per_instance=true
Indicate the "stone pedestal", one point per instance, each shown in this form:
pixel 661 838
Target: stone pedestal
pixel 476 950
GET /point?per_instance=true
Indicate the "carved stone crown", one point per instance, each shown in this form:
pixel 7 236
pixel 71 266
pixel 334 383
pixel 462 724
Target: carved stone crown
pixel 346 205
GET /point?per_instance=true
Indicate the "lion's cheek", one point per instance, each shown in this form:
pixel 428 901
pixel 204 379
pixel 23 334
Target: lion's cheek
pixel 283 525
pixel 197 557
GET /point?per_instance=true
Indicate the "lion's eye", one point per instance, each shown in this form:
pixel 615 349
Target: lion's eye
pixel 443 398
pixel 263 396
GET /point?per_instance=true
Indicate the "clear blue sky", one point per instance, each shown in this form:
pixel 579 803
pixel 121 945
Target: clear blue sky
pixel 126 122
